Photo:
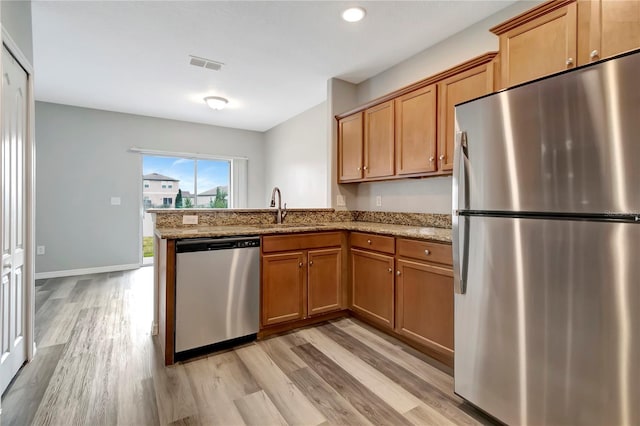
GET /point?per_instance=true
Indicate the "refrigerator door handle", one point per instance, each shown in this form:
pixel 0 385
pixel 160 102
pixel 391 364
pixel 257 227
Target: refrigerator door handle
pixel 460 252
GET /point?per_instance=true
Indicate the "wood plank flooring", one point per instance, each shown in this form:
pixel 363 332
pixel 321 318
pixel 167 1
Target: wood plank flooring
pixel 97 364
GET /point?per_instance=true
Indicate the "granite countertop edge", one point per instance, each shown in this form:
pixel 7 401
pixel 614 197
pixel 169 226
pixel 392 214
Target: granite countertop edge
pixel 228 211
pixel 442 235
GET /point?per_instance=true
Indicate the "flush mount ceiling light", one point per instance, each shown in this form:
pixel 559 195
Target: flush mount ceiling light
pixel 216 102
pixel 353 14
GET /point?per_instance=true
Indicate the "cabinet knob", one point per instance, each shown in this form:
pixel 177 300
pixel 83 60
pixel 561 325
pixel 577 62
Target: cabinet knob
pixel 368 241
pixel 364 168
pixel 594 54
pixel 300 264
pixel 390 269
pixel 442 157
pixel 310 262
pixel 427 252
pixel 398 273
pixel 570 61
pixel 359 169
pixel 431 159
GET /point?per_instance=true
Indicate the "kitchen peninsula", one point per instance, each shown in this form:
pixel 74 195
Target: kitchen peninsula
pixel 391 270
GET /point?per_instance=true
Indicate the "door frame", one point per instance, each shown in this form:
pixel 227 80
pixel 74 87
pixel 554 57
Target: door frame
pixel 30 191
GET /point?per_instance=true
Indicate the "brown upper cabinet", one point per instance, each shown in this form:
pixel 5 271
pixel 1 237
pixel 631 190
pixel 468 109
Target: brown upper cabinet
pixel 416 131
pixel 607 28
pixel 379 141
pixel 562 34
pixel 350 147
pixel 461 87
pixel 410 132
pixel 539 42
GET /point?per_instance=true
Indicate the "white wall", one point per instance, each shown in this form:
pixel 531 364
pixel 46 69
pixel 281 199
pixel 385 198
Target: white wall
pixel 296 159
pixel 432 195
pixel 83 159
pixel 16 20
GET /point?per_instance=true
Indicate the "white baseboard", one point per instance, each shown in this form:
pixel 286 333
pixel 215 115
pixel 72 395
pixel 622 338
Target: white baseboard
pixel 85 271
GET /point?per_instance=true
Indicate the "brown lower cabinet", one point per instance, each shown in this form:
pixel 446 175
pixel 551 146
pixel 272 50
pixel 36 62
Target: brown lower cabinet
pixel 324 286
pixel 372 286
pixel 424 304
pixel 283 287
pixel 300 284
pixel 402 286
pixel 406 288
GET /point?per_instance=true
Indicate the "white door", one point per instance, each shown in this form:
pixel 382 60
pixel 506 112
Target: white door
pixel 13 345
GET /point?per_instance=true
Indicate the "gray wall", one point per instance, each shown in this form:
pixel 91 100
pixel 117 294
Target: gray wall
pixel 296 159
pixel 83 160
pixel 16 19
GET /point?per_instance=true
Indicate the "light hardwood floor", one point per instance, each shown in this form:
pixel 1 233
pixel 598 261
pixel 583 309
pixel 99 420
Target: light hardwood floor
pixel 97 364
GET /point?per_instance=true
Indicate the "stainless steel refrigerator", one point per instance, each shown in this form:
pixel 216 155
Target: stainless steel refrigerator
pixel 546 240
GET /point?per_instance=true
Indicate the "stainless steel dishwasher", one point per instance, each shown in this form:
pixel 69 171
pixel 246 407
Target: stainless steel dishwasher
pixel 217 293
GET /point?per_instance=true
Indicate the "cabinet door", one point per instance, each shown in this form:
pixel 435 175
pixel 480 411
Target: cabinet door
pixel 425 304
pixel 324 284
pixel 379 141
pixel 372 283
pixel 416 131
pixel 539 47
pixel 350 147
pixel 283 287
pixel 461 87
pixel 607 28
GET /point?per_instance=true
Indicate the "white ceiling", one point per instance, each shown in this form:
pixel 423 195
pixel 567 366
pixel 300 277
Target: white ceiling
pixel 132 56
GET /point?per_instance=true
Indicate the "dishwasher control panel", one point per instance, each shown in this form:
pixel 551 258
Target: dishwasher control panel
pixel 248 243
pixel 190 245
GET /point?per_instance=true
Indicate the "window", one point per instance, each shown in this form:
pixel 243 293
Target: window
pixel 202 182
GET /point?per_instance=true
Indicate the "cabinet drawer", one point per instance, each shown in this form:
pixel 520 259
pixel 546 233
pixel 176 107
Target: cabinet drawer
pixel 273 243
pixel 423 250
pixel 373 242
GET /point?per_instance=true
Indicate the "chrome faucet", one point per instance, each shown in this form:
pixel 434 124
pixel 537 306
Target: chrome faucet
pixel 281 213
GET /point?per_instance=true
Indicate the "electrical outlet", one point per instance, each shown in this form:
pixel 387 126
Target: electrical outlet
pixel 115 201
pixel 378 201
pixel 40 250
pixel 190 219
pixel 341 200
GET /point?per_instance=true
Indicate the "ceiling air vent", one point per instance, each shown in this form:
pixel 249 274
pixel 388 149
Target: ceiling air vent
pixel 205 63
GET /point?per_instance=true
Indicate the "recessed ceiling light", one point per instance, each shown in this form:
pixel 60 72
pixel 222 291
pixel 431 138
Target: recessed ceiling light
pixel 353 14
pixel 216 102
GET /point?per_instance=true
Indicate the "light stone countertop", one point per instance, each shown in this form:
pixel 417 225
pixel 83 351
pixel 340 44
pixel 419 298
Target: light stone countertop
pixel 406 231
